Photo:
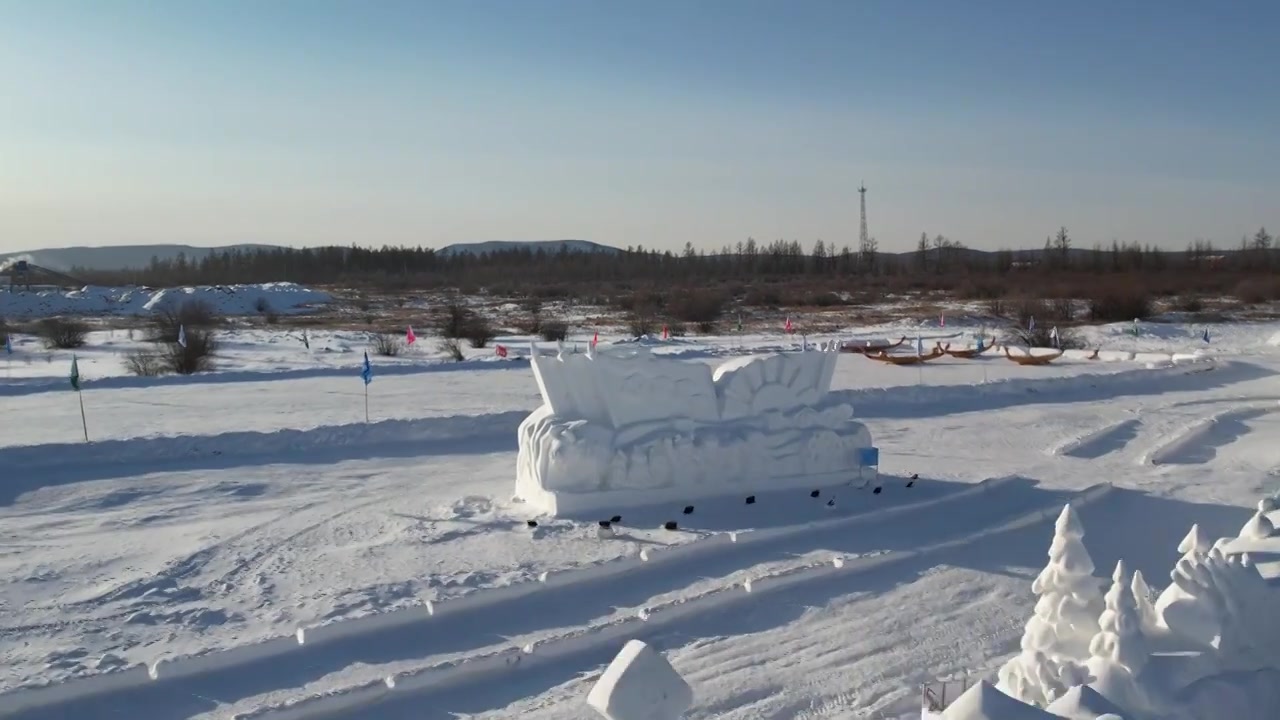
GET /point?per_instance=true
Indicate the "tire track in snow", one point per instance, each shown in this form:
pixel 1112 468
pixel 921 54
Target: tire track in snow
pixel 566 599
pixel 591 646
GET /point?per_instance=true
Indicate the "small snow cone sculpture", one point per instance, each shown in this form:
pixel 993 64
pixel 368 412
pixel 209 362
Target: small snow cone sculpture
pixel 640 685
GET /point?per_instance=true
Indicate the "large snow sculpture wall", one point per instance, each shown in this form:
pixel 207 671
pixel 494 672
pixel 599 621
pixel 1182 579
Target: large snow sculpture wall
pixel 627 428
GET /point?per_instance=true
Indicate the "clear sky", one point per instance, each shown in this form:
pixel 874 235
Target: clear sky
pixel 632 122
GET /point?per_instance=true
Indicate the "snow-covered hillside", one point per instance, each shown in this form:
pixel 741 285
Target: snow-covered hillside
pixel 242 543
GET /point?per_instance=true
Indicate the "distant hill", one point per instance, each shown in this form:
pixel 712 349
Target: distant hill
pixel 549 246
pixel 119 257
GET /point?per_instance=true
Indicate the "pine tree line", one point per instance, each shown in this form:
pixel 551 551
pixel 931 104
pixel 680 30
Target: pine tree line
pixel 747 262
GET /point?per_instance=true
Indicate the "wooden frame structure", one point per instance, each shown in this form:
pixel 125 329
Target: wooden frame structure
pixel 1030 359
pixel 869 348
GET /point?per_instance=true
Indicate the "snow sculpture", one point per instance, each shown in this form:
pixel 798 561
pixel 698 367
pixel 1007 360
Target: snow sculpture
pixel 640 685
pixel 623 428
pixel 1259 526
pixel 1146 608
pixel 1228 607
pixel 1119 639
pixel 1065 619
pixel 1176 608
pixel 984 702
pixel 1084 703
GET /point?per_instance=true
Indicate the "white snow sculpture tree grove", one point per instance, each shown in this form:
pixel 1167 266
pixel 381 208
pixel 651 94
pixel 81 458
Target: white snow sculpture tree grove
pixel 1176 607
pixel 621 427
pixel 1065 620
pixel 1119 639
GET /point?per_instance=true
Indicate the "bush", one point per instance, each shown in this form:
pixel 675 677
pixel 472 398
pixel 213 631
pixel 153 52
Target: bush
pixel 62 333
pixel 1257 290
pixel 1042 336
pixel 190 315
pixel 1119 306
pixel 641 323
pixel 145 364
pixel 706 328
pixel 554 331
pixel 262 305
pixel 196 356
pixel 387 345
pixel 478 332
pixel 450 347
pixel 696 306
pixel 1189 303
pixel 453 322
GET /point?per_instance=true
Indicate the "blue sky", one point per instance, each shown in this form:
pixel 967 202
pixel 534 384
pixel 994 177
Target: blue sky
pixel 636 123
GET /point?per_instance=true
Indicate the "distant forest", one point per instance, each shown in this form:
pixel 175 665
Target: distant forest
pixel 937 264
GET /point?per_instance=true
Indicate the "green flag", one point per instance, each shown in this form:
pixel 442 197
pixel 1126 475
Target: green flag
pixel 739 323
pixel 75 374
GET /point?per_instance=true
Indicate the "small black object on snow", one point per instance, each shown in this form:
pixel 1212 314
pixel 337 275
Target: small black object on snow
pixel 831 502
pixel 531 523
pixel 605 523
pixel 751 499
pixel 914 478
pixel 815 493
pixel 669 525
pixel 615 519
pixel 688 509
pixel 876 491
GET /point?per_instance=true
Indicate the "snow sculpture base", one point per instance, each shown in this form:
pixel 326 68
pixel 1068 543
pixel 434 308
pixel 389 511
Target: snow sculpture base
pixel 640 685
pixel 627 428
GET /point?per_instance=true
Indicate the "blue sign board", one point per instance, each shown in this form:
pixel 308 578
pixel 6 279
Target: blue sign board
pixel 869 456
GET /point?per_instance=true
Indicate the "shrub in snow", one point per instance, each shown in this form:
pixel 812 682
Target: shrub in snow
pixel 386 345
pixel 196 355
pixel 450 347
pixel 62 333
pixel 1119 639
pixel 144 363
pixel 553 331
pixel 1065 619
pixel 171 318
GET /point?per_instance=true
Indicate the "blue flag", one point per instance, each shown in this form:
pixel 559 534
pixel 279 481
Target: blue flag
pixel 919 345
pixel 1206 336
pixel 366 371
pixel 8 342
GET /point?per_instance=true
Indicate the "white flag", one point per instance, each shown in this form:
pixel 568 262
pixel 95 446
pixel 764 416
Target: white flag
pixel 182 335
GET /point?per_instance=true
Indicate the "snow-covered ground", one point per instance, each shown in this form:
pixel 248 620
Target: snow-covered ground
pixel 229 510
pixel 226 300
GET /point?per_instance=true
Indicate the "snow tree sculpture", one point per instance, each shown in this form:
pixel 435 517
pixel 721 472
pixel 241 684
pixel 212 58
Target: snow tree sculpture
pixel 1146 608
pixel 1065 620
pixel 1238 604
pixel 1176 608
pixel 1119 639
pixel 1259 526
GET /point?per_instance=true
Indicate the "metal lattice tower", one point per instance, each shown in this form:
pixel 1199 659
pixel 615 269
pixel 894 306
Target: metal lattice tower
pixel 863 240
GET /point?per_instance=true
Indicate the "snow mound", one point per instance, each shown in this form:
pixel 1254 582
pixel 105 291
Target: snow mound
pixel 281 297
pixel 984 702
pixel 1083 703
pixel 640 685
pixel 630 428
pixel 1259 527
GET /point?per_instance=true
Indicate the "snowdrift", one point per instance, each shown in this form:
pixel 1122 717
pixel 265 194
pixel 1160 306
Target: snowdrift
pixel 629 428
pixel 280 297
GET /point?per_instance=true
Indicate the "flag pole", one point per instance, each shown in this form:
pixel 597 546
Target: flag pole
pixel 366 403
pixel 83 422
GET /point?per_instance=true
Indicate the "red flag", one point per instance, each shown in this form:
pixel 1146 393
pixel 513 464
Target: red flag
pixel 942 320
pixel 595 339
pixel 501 351
pixel 665 334
pixel 409 337
pixel 788 326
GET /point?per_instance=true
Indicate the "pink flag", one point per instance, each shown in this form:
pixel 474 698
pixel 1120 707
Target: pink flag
pixel 665 334
pixel 942 319
pixel 501 351
pixel 409 337
pixel 595 339
pixel 788 328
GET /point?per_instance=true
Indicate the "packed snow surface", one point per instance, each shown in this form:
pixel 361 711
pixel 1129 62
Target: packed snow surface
pixel 381 571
